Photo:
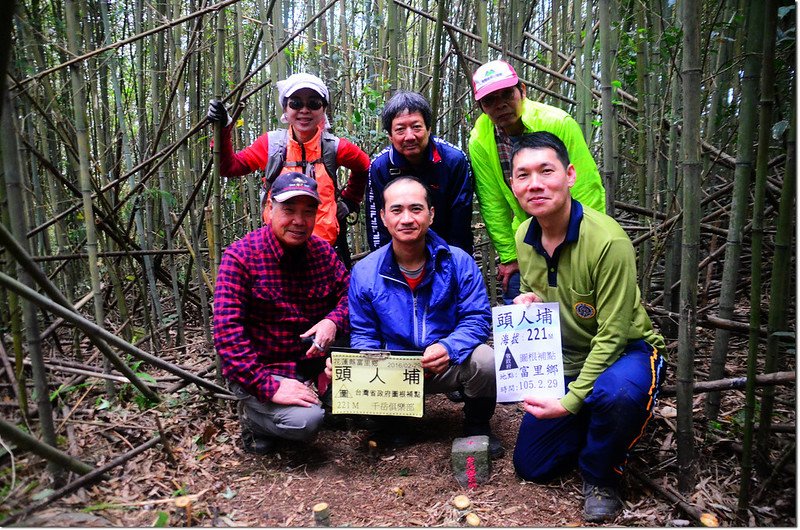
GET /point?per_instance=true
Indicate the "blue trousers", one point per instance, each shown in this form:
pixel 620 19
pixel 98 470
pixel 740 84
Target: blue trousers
pixel 513 289
pixel 599 436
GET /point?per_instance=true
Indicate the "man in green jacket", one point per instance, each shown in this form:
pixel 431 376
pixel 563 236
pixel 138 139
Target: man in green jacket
pixel 613 361
pixel 507 115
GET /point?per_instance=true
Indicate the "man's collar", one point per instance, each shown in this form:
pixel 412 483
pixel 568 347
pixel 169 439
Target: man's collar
pixel 527 115
pixel 435 250
pixel 533 236
pixel 431 155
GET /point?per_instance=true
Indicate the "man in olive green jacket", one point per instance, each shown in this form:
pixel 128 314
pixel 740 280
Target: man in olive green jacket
pixel 613 358
pixel 507 115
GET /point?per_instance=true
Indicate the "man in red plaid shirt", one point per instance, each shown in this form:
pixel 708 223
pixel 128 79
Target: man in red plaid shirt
pixel 276 286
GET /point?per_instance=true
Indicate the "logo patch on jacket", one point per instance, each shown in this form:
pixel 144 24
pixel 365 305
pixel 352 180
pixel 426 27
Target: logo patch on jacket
pixel 584 310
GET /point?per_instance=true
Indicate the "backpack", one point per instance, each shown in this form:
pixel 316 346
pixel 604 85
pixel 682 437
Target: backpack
pixel 277 156
pixel 327 224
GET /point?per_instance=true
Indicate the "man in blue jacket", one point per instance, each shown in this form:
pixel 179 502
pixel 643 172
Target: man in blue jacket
pixel 443 167
pixel 419 293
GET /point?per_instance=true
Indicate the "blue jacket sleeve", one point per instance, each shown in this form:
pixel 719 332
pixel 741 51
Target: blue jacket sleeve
pixel 364 332
pixel 474 314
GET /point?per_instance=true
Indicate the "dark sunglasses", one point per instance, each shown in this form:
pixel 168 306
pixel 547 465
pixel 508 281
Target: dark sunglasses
pixel 311 104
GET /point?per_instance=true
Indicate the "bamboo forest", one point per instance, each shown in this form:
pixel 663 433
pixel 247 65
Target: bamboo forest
pixel 117 207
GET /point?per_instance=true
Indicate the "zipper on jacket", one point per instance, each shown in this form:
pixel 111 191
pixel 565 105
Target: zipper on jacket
pixel 417 337
pixel 424 327
pixel 416 326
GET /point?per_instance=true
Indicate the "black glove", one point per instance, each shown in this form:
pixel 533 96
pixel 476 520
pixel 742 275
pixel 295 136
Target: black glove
pixel 342 210
pixel 218 113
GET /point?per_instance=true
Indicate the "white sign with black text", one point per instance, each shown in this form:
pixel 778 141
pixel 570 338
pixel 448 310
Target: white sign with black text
pixel 527 351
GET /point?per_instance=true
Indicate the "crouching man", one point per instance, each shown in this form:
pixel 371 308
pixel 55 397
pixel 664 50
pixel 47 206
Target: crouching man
pixel 613 361
pixel 276 286
pixel 419 293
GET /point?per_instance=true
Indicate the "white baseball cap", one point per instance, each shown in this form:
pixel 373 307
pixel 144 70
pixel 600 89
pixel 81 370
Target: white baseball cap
pixel 295 82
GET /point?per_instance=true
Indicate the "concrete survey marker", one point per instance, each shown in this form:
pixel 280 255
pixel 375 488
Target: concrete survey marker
pixel 470 461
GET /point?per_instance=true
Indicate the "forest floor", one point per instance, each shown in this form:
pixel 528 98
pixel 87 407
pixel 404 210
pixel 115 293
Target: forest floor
pixel 406 487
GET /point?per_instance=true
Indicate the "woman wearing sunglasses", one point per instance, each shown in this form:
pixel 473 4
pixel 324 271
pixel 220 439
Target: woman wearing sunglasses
pixel 306 146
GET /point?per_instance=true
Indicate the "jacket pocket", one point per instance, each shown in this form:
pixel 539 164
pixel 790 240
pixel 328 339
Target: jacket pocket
pixel 584 308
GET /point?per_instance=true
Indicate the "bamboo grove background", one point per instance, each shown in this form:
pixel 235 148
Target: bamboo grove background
pixel 114 216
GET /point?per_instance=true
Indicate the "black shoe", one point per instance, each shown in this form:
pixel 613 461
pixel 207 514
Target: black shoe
pixel 257 445
pixel 335 422
pixel 600 503
pixel 391 439
pixel 496 449
pixel 456 396
pixel 327 398
pixel 391 431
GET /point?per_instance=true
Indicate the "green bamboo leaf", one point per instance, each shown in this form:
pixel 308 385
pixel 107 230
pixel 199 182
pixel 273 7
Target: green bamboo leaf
pixel 162 520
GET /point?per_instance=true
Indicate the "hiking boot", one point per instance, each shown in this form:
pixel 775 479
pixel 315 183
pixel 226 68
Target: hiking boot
pixel 255 444
pixel 251 442
pixel 600 503
pixel 335 422
pixel 456 396
pixel 391 439
pixel 496 449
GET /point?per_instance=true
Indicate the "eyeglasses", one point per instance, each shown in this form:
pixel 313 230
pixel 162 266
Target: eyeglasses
pixel 311 104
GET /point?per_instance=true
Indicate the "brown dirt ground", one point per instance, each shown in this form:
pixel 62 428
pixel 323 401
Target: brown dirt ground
pixel 408 487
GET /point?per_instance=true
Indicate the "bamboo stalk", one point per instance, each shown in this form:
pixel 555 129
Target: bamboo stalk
pixel 46 451
pixel 215 236
pixel 770 18
pixel 24 260
pixel 687 329
pixel 92 328
pixel 17 217
pixel 735 383
pixel 119 44
pixel 85 480
pixel 38 276
pixel 608 172
pixel 437 55
pixel 81 128
pixel 741 194
pixel 673 496
pixel 780 289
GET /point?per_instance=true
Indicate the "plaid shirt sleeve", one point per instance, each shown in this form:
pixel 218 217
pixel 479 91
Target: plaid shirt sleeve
pixel 238 359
